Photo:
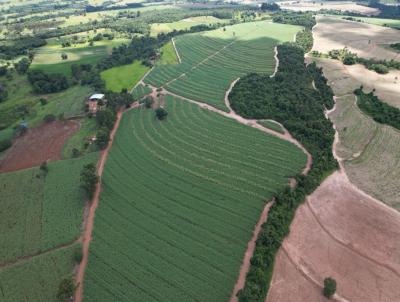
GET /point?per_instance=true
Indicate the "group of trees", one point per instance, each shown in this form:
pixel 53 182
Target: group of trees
pixel 47 83
pixel 378 110
pixel 295 18
pixel 290 99
pixel 20 47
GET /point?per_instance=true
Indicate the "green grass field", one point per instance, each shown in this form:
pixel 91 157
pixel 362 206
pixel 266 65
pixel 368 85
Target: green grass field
pixel 38 216
pixel 48 58
pixel 212 60
pixel 179 203
pixel 125 76
pixel 184 24
pixel 168 55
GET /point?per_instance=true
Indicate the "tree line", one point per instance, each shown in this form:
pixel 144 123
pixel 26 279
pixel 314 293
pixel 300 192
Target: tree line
pixel 290 99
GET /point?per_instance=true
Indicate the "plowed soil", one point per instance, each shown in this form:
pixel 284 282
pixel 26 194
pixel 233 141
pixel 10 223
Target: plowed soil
pixel 340 232
pixel 37 145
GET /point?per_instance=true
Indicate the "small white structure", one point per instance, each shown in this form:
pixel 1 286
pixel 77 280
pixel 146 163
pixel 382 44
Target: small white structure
pixel 93 102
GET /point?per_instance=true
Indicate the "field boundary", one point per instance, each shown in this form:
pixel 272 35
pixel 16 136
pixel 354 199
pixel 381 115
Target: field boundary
pixel 176 51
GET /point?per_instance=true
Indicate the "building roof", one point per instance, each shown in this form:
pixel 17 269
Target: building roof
pixel 97 96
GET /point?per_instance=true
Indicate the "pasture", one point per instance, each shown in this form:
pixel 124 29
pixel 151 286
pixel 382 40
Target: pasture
pixel 212 60
pixel 168 55
pixel 125 76
pixel 179 202
pixel 48 58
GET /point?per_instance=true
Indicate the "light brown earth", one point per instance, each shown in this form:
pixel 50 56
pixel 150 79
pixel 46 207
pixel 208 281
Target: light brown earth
pixel 342 233
pixel 37 145
pixel 331 5
pixel 365 39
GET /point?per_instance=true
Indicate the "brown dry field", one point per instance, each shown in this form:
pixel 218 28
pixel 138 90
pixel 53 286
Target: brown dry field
pixel 339 6
pixel 364 39
pixel 342 233
pixel 37 145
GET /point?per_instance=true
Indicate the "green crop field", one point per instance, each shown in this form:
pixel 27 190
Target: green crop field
pixel 40 216
pixel 212 60
pixel 179 203
pixel 140 91
pixel 48 58
pixel 125 76
pixel 168 55
pixel 157 28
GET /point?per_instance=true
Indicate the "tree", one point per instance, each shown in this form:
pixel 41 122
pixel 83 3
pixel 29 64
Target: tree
pixel 329 287
pixel 89 179
pixel 3 93
pixel 102 137
pixel 22 65
pixel 44 167
pixel 148 102
pixel 161 113
pixel 64 56
pixel 3 70
pixel 66 289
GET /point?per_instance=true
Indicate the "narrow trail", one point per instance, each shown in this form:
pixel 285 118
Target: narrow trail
pixel 88 229
pixel 276 60
pixel 22 259
pixel 176 51
pixel 245 267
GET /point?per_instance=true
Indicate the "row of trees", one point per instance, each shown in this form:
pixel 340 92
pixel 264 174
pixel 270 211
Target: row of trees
pixel 290 99
pixel 295 18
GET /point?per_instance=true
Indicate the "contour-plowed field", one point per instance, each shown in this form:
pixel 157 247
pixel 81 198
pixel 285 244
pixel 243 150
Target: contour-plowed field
pixel 342 233
pixel 179 203
pixel 364 39
pixel 212 60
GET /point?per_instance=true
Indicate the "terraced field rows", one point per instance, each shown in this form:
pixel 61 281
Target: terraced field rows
pixel 140 91
pixel 212 60
pixel 179 202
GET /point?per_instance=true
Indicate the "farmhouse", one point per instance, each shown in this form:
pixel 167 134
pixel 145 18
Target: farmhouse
pixel 95 102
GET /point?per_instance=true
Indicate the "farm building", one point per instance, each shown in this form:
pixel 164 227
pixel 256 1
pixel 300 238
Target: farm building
pixel 95 102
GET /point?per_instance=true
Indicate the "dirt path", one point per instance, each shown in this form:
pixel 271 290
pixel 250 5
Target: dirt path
pixel 176 51
pixel 276 60
pixel 244 268
pixel 87 234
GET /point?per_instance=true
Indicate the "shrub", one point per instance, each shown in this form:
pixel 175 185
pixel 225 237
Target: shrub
pixel 43 101
pixel 44 167
pixel 102 138
pixel 49 118
pixel 78 255
pixel 329 287
pixel 75 153
pixel 161 113
pixel 5 144
pixel 89 179
pixel 148 102
pixel 379 68
pixel 66 290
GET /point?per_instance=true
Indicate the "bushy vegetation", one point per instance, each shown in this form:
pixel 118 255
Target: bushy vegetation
pixel 378 110
pixel 20 47
pixel 304 39
pixel 329 287
pixel 290 99
pixel 46 83
pixel 295 18
pixel 170 256
pixel 89 179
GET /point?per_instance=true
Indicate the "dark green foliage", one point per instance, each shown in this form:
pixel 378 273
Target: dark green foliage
pixel 304 39
pixel 44 167
pixel 379 68
pixel 148 102
pixel 3 71
pixel 43 101
pixel 270 6
pixel 5 144
pixel 49 118
pixel 116 100
pixel 161 113
pixel 46 83
pixel 3 93
pixel 379 111
pixel 22 65
pixel 20 47
pixel 329 287
pixel 102 137
pixel 395 46
pixel 106 118
pixel 289 99
pixel 78 255
pixel 295 18
pixel 66 290
pixel 89 179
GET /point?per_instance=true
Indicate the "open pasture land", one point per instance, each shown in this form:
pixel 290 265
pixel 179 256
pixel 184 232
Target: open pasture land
pixel 212 60
pixel 48 58
pixel 180 200
pixel 314 6
pixel 125 76
pixel 184 24
pixel 367 40
pixel 342 233
pixel 168 55
pixel 37 145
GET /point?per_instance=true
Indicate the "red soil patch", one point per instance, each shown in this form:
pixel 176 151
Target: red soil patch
pixel 37 145
pixel 340 232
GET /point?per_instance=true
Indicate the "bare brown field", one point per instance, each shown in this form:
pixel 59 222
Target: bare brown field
pixel 367 40
pixel 37 145
pixel 331 5
pixel 342 233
